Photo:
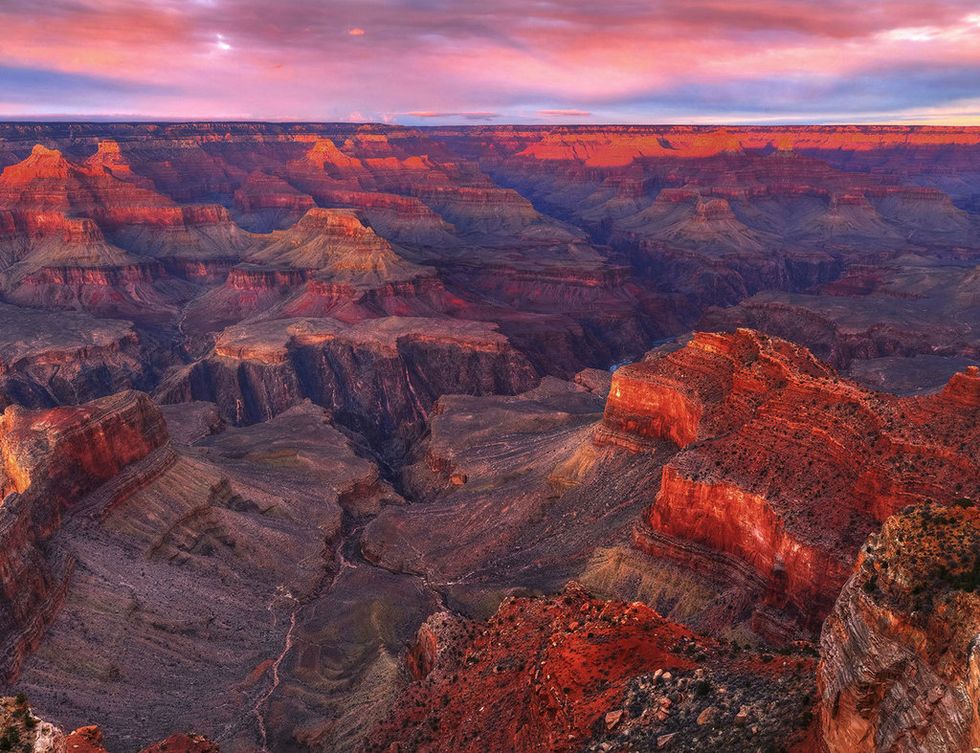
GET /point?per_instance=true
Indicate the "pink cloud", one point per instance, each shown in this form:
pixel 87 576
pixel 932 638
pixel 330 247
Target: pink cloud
pixel 468 59
pixel 564 113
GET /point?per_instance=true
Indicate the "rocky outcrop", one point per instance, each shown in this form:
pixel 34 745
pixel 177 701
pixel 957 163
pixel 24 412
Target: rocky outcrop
pixel 401 219
pixel 705 389
pixel 48 460
pixel 404 364
pixel 55 358
pixel 20 727
pixel 549 674
pixel 900 664
pixel 530 679
pixel 787 467
pixel 77 234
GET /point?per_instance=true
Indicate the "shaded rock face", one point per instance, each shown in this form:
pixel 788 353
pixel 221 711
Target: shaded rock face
pixel 53 358
pixel 404 364
pixel 786 467
pixel 900 662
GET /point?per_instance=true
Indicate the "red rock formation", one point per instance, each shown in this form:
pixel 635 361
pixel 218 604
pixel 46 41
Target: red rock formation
pixel 788 467
pixel 707 388
pixel 48 460
pixel 69 451
pixel 57 212
pixel 402 219
pixel 85 740
pixel 536 677
pixel 551 674
pixel 611 147
pixel 262 191
pixel 899 661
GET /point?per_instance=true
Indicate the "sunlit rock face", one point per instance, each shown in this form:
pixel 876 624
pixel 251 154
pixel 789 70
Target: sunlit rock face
pixel 785 466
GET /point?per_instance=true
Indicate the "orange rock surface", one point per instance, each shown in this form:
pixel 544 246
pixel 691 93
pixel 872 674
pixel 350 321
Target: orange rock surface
pixel 787 467
pixel 536 677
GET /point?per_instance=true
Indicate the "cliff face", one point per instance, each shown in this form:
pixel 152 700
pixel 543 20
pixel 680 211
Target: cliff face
pixel 48 460
pixel 69 451
pixel 256 372
pixel 900 665
pixel 786 467
pixel 703 389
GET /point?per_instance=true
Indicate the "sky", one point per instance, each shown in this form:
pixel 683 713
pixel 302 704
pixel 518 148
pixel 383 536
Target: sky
pixel 493 61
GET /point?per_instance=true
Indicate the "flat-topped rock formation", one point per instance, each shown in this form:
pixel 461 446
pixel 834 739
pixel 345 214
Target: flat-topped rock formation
pixel 256 371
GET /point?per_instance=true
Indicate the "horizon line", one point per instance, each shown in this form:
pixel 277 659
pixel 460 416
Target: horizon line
pixel 139 120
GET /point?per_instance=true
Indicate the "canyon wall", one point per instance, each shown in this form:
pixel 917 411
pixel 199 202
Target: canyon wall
pixel 900 664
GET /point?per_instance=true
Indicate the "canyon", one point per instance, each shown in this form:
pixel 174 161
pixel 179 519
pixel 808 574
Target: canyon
pixel 346 437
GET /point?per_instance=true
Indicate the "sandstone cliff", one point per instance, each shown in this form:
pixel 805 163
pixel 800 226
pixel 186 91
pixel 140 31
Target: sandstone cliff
pixel 404 364
pixel 900 663
pixel 787 467
pixel 49 459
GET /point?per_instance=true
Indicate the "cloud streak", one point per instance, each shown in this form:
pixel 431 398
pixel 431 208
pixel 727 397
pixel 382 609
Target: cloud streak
pixel 424 61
